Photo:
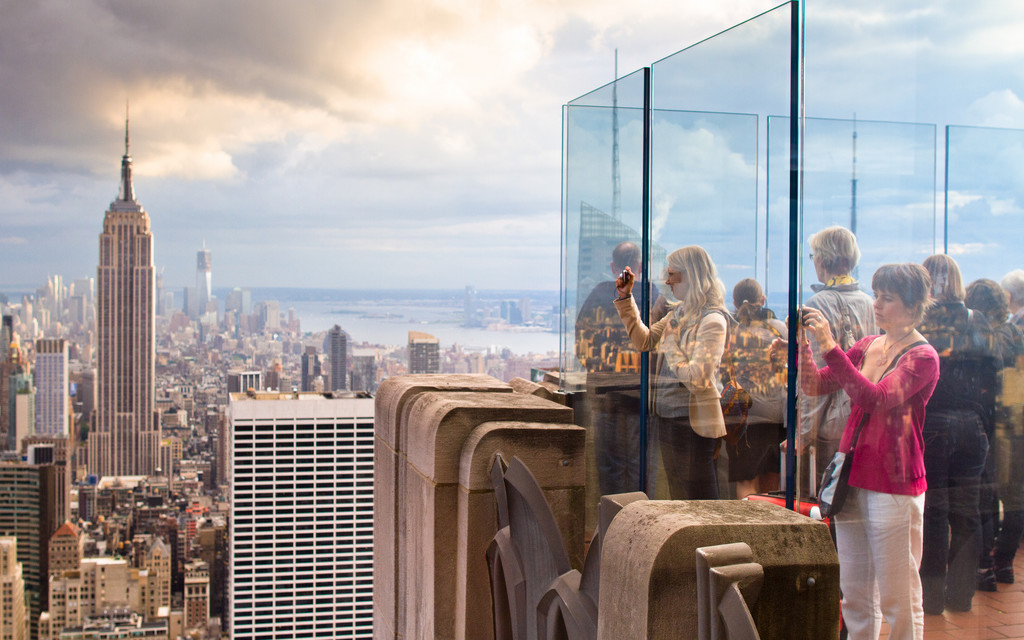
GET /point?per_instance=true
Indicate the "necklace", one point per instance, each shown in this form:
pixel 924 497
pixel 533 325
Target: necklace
pixel 884 357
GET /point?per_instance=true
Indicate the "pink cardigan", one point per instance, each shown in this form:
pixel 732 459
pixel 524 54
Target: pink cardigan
pixel 890 450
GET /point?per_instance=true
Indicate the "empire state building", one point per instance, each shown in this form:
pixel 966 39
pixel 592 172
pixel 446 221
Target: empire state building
pixel 126 436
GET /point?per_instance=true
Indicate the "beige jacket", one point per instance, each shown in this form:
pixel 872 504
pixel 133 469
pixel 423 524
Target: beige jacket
pixel 692 357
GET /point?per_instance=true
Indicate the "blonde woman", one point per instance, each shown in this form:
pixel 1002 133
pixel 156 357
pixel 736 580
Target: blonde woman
pixel 689 341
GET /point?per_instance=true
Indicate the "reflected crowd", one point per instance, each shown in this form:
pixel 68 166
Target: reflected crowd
pixel 923 379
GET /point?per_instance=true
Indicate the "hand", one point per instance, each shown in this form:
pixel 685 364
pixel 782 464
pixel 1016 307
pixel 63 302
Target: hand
pixel 778 350
pixel 815 323
pixel 624 283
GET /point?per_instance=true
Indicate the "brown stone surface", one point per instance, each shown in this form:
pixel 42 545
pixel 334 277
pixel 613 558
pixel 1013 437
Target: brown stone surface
pixel 546 390
pixel 439 422
pixel 395 392
pixel 648 577
pixel 554 454
pixel 424 423
pixel 392 401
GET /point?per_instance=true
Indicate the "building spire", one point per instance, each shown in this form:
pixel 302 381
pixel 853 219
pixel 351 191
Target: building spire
pixel 127 191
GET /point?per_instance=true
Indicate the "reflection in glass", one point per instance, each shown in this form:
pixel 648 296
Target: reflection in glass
pixel 689 341
pixel 959 423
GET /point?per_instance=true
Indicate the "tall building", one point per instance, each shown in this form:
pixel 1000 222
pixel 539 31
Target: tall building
pixel 424 353
pixel 337 350
pixel 310 369
pixel 127 432
pixel 52 384
pixel 204 279
pixel 364 371
pixel 302 486
pixel 12 593
pixel 20 398
pixel 470 309
pixel 28 513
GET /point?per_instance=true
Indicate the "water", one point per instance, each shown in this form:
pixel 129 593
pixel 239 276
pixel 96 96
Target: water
pixel 387 317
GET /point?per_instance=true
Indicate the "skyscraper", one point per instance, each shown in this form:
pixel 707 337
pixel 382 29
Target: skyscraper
pixel 51 377
pixel 28 513
pixel 204 292
pixel 301 543
pixel 127 433
pixel 338 352
pixel 424 353
pixel 310 369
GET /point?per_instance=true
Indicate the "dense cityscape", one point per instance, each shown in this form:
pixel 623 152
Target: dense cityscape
pixel 127 423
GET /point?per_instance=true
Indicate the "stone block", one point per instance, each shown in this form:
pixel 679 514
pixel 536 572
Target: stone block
pixel 437 426
pixel 545 390
pixel 554 453
pixel 393 399
pixel 439 423
pixel 648 569
pixel 396 392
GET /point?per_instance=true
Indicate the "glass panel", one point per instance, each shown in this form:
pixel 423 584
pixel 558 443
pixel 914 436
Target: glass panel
pixel 602 225
pixel 705 185
pixel 985 200
pixel 937 66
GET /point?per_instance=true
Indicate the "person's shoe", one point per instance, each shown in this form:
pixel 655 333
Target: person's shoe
pixel 1004 573
pixel 986 581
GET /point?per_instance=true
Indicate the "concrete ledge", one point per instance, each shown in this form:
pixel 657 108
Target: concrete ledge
pixel 556 457
pixel 395 392
pixel 648 569
pixel 393 399
pixel 545 390
pixel 440 422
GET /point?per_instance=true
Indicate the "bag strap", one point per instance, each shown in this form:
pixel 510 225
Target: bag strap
pixel 888 370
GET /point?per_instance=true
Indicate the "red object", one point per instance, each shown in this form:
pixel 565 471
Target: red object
pixel 808 508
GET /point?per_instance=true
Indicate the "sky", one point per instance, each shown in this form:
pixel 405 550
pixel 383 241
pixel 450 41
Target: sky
pixel 345 143
pixel 378 144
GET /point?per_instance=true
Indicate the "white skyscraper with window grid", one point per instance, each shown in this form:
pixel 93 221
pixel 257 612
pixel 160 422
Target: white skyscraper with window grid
pixel 302 528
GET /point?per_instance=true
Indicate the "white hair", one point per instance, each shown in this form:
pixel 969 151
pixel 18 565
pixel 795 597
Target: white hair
pixel 1013 283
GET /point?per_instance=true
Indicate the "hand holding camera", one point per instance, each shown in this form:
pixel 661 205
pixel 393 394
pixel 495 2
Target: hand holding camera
pixel 624 283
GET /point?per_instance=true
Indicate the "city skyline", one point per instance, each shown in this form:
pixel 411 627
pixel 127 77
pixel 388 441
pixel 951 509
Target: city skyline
pixel 361 142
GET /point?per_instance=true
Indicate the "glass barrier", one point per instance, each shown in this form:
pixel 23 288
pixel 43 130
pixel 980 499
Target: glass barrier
pixel 877 187
pixel 708 141
pixel 602 230
pixel 941 68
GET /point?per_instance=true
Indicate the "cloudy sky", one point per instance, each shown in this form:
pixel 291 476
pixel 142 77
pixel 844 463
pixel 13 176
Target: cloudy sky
pixel 342 143
pixel 408 143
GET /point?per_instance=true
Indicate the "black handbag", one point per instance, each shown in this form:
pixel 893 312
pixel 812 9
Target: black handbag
pixel 835 481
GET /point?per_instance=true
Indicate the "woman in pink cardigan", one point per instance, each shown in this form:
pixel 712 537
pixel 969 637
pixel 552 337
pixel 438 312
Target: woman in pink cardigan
pixel 889 379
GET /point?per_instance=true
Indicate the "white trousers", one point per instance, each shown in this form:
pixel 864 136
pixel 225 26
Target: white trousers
pixel 878 536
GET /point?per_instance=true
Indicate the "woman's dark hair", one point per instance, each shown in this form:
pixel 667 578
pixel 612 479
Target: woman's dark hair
pixel 909 281
pixel 746 298
pixel 989 298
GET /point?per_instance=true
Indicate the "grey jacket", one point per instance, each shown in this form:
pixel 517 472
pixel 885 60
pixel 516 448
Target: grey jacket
pixel 851 314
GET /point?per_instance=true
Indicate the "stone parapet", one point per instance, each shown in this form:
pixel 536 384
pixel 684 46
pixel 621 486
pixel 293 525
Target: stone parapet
pixel 649 580
pixel 433 433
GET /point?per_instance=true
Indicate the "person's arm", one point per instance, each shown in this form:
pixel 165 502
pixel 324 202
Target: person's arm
pixel 814 381
pixel 698 371
pixel 917 369
pixel 643 338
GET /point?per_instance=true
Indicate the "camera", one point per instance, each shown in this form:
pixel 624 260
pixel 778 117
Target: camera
pixel 805 316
